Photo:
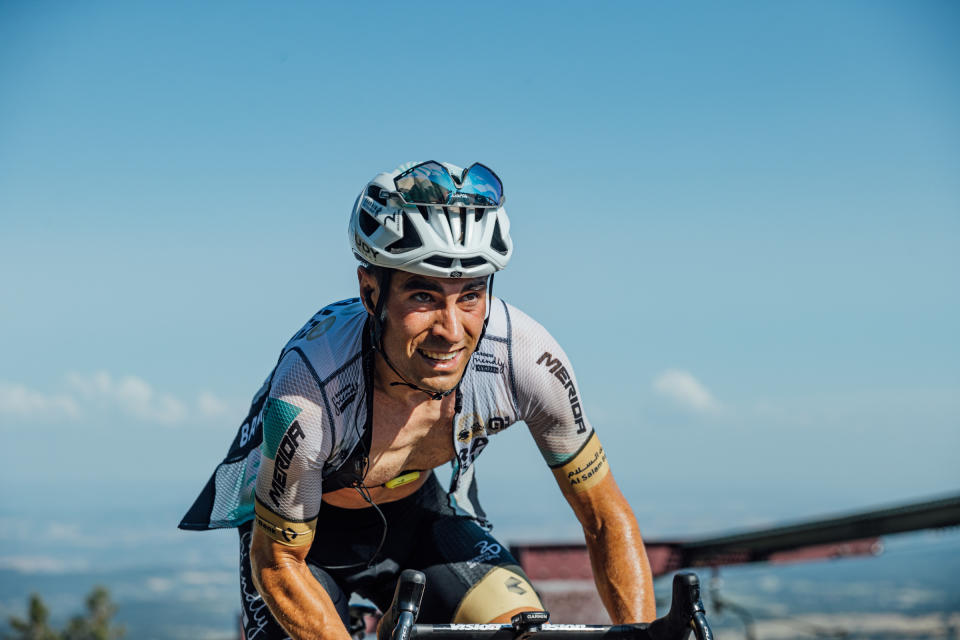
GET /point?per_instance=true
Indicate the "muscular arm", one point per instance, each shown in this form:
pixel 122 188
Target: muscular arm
pixel 288 493
pixel 617 555
pixel 294 596
pixel 549 401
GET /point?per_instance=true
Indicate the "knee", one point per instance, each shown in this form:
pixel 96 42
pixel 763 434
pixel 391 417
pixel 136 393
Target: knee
pixel 500 594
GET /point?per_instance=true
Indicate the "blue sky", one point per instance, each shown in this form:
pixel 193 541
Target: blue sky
pixel 741 221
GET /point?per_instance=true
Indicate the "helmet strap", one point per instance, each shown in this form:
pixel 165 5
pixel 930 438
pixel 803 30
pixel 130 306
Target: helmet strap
pixel 434 395
pixel 489 311
pixel 379 313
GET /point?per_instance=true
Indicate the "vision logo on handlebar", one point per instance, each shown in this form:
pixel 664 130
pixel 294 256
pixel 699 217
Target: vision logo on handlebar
pixel 475 627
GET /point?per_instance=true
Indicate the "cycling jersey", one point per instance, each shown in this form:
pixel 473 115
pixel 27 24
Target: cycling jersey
pixel 311 415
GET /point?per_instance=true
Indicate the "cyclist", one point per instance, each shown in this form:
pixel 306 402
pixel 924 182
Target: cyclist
pixel 330 479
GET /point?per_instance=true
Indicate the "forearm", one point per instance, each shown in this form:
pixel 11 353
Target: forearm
pixel 621 569
pixel 617 555
pixel 296 599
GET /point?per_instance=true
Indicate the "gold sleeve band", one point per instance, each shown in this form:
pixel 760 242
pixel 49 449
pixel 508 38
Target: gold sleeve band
pixel 497 593
pixel 587 468
pixel 287 532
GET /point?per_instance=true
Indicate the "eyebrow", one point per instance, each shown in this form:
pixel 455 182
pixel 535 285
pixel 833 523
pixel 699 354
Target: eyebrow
pixel 417 283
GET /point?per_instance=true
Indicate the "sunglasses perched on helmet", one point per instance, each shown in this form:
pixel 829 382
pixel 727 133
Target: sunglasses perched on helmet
pixel 430 183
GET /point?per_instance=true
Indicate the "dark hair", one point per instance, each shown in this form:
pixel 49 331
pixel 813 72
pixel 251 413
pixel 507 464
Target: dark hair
pixel 376 271
pixel 382 275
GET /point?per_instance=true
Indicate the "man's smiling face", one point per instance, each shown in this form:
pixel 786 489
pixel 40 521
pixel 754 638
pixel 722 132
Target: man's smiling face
pixel 432 326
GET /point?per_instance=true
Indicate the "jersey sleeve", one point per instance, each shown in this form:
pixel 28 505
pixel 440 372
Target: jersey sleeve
pixel 296 443
pixel 549 401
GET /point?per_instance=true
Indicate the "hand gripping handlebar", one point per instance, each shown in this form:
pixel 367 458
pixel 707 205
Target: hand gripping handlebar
pixel 686 614
pixel 398 621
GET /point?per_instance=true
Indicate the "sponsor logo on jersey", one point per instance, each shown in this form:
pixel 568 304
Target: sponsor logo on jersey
pixel 468 454
pixel 470 428
pixel 496 423
pixel 288 446
pixel 588 467
pixel 487 363
pixel 343 397
pixel 288 532
pixel 321 322
pixel 488 551
pixel 560 373
pixel 472 439
pixel 248 429
pixel 321 327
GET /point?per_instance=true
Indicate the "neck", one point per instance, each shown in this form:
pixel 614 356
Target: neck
pixel 389 382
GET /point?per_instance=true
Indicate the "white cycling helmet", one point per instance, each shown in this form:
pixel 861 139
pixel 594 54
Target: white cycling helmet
pixel 455 230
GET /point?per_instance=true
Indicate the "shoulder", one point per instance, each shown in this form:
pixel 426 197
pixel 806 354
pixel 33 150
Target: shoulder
pixel 509 323
pixel 538 362
pixel 317 376
pixel 528 340
pixel 331 339
pixel 534 356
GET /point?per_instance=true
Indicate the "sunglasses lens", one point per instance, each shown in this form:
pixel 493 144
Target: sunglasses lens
pixel 481 187
pixel 427 183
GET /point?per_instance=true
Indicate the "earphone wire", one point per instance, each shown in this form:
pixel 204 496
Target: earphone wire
pixel 361 488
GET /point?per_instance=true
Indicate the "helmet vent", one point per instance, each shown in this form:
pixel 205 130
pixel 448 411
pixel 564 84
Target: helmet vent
pixel 410 240
pixel 456 218
pixel 472 262
pixel 440 261
pixel 368 224
pixel 496 242
pixel 374 192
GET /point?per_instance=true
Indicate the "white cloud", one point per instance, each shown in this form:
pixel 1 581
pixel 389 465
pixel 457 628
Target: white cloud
pixel 212 406
pixel 41 564
pixel 21 401
pixel 63 532
pixel 159 585
pixel 132 395
pixel 681 387
pixel 207 577
pixel 101 393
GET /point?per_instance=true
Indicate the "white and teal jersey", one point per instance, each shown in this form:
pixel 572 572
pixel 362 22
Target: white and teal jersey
pixel 311 412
